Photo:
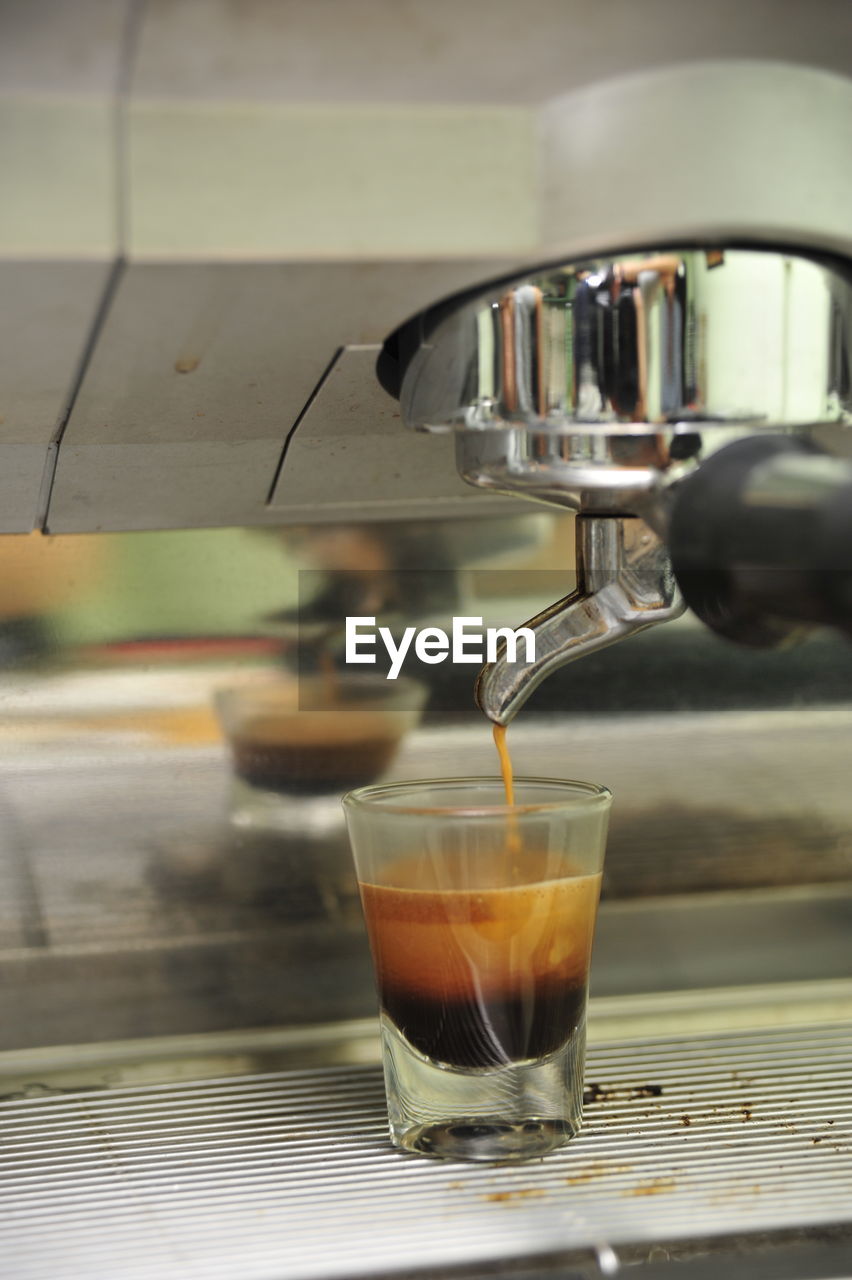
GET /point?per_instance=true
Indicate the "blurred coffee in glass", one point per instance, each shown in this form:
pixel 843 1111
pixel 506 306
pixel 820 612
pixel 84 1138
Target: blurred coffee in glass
pixel 316 736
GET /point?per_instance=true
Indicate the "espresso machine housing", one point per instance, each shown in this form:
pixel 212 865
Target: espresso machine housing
pixel 211 329
pixel 206 251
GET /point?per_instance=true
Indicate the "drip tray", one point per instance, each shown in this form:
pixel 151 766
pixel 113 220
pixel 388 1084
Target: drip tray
pixel 290 1173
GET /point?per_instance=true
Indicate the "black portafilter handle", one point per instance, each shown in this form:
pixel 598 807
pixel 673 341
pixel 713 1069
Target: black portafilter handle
pixel 761 540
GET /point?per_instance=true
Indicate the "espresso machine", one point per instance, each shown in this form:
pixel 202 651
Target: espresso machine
pixel 635 391
pixel 435 285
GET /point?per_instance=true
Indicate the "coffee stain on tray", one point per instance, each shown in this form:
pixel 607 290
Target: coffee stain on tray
pixel 594 1171
pixel 508 1197
pixel 651 1187
pixel 619 1093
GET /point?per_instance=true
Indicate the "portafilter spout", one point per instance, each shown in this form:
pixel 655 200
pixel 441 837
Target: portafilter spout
pixel 624 584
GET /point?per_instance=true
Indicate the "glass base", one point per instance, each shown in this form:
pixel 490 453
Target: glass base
pixel 312 816
pixel 520 1111
pixel 481 1138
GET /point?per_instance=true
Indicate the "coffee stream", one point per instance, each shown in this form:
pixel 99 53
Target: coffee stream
pixel 513 835
pixel 506 772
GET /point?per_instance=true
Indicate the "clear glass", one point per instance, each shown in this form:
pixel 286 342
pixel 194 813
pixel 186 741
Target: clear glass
pixel 297 738
pixel 481 920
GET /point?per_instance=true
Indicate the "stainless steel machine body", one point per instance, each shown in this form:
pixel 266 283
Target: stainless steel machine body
pixel 218 220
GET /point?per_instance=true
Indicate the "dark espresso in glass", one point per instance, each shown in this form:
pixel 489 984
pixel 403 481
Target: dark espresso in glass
pixel 475 976
pixel 313 753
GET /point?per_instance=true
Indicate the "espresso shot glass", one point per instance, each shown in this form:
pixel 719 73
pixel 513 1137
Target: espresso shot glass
pixel 301 739
pixel 481 919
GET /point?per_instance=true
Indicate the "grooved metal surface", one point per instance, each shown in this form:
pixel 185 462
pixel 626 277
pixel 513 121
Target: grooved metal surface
pixel 291 1174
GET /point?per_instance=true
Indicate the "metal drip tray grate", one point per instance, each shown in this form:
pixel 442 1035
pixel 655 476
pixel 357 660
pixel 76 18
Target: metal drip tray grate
pixel 290 1174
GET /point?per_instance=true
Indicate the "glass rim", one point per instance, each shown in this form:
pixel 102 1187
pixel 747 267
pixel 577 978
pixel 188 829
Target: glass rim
pixel 404 696
pixel 260 681
pixel 592 795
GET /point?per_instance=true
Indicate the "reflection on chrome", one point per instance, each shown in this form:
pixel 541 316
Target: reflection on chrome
pixel 664 339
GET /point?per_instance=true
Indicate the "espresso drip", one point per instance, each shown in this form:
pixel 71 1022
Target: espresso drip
pixel 506 771
pixel 513 836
